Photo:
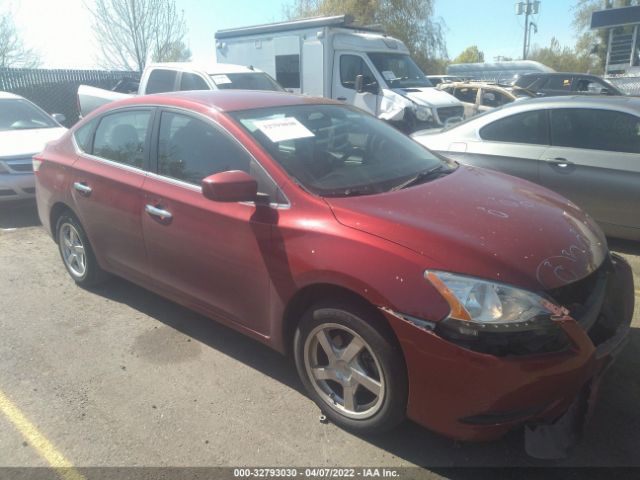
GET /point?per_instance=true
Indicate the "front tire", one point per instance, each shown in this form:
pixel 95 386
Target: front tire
pixel 351 366
pixel 76 252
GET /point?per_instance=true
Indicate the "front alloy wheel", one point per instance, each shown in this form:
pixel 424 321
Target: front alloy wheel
pixel 344 371
pixel 351 365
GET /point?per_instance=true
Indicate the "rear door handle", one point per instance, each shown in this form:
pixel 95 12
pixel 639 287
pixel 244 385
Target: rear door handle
pixel 160 213
pixel 559 162
pixel 83 188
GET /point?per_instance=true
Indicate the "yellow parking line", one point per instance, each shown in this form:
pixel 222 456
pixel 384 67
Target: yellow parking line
pixel 64 468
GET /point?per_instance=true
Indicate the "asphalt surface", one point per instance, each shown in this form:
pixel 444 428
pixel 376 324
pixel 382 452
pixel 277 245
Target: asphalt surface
pixel 118 376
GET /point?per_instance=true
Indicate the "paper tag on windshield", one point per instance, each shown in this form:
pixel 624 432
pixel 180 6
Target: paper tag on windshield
pixel 280 129
pixel 220 79
pixel 389 75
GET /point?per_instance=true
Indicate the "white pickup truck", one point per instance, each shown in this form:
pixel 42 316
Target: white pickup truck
pixel 172 77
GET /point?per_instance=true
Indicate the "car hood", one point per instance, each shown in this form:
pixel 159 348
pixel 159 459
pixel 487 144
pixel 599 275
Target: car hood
pixel 27 142
pixel 484 224
pixel 428 96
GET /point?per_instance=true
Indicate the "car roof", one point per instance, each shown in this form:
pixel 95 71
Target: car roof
pixel 208 68
pixel 558 74
pixel 6 95
pixel 223 100
pixel 579 101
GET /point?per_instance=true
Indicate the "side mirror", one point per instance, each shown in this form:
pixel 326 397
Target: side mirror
pixel 231 186
pixel 604 91
pixel 59 117
pixel 359 83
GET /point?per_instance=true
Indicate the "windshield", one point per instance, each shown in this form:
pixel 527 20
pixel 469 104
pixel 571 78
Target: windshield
pixel 399 71
pixel 246 81
pixel 334 150
pixel 19 114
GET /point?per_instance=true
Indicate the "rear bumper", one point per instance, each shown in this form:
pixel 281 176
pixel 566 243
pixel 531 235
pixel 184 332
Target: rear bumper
pixel 472 396
pixel 16 186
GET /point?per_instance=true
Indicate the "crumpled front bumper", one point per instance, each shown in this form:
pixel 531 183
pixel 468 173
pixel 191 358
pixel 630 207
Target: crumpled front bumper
pixel 473 396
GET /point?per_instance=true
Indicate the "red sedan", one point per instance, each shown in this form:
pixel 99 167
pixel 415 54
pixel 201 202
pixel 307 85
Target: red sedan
pixel 402 283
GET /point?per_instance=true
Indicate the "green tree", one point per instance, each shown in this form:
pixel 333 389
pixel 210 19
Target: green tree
pixel 411 21
pixel 470 55
pixel 562 59
pixel 13 52
pixel 173 52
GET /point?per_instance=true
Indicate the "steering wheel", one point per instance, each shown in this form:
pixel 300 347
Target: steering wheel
pixel 352 150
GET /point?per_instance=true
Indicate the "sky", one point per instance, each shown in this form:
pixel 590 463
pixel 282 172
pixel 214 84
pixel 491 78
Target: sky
pixel 60 30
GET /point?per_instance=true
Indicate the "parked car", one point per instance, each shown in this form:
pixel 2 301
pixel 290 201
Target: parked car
pixel 402 283
pixel 178 76
pixel 480 97
pixel 438 79
pixel 585 148
pixel 334 58
pixel 555 84
pixel 24 130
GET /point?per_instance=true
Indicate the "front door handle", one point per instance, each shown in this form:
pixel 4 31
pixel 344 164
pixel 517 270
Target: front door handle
pixel 559 162
pixel 342 99
pixel 161 214
pixel 83 188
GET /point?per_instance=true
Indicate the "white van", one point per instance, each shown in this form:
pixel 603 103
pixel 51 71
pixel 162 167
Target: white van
pixel 330 57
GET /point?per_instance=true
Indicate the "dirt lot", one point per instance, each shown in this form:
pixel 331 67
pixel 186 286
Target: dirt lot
pixel 120 376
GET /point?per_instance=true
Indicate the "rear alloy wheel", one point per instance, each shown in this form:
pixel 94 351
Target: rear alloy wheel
pixel 76 252
pixel 354 374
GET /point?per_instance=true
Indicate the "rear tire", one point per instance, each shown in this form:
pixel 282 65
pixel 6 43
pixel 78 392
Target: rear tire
pixel 76 252
pixel 351 366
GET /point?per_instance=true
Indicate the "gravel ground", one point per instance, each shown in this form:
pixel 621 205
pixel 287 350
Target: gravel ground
pixel 118 376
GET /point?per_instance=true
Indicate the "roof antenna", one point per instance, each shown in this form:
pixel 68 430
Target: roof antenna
pixel 250 67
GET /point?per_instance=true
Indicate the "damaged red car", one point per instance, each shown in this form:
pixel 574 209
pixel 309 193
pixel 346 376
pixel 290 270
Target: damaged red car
pixel 402 283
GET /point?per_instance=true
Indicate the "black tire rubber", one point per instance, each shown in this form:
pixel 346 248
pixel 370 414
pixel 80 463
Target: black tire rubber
pixel 366 323
pixel 93 275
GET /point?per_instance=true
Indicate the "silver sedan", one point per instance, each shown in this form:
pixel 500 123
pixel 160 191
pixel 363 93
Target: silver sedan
pixel 587 149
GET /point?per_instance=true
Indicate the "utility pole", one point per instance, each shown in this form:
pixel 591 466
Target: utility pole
pixel 527 8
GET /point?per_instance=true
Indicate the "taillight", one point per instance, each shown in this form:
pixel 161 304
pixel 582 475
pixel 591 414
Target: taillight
pixel 36 164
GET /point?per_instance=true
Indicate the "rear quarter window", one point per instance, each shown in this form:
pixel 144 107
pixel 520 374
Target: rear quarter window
pixel 84 135
pixel 161 80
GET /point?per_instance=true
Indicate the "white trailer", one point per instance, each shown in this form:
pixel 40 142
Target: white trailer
pixel 331 57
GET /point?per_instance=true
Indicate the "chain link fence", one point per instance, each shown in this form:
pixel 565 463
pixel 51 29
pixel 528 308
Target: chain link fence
pixel 55 91
pixel 629 85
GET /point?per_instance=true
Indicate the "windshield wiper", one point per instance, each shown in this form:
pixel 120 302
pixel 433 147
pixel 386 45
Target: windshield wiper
pixel 421 177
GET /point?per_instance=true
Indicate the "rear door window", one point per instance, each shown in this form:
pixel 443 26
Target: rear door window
pixel 192 81
pixel 466 94
pixel 493 98
pixel 595 129
pixel 527 127
pixel 122 137
pixel 161 80
pixel 558 83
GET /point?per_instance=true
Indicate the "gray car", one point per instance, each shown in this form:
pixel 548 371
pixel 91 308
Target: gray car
pixel 24 130
pixel 585 148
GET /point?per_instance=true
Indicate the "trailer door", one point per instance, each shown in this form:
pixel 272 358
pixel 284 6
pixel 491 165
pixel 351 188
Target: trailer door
pixel 313 67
